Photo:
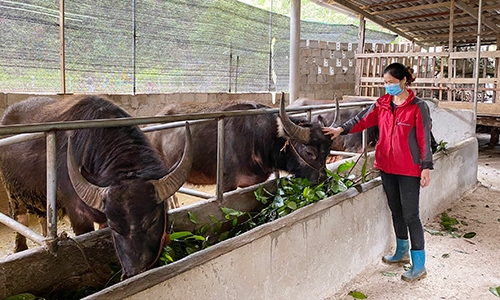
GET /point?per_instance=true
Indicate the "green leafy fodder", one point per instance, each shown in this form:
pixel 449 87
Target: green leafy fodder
pixel 291 194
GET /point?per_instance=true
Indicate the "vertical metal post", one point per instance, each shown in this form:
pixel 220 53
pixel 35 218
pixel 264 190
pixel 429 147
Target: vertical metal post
pixel 236 74
pixel 62 49
pixel 220 159
pixel 270 60
pixel 294 81
pixel 478 56
pixel 134 45
pixel 230 65
pixel 51 185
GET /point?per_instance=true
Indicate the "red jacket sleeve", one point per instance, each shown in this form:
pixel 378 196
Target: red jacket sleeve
pixel 364 119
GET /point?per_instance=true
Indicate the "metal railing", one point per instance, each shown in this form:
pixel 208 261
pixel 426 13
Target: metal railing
pixel 26 132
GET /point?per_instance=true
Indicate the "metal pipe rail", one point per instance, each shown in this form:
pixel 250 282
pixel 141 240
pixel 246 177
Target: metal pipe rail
pixel 26 132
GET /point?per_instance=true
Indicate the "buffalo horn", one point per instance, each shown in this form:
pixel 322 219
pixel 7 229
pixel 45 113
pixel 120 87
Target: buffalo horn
pixel 91 194
pixel 295 131
pixel 170 183
pixel 336 112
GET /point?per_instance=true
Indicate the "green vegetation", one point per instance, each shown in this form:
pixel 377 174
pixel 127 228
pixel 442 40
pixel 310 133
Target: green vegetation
pixel 291 195
pixel 451 226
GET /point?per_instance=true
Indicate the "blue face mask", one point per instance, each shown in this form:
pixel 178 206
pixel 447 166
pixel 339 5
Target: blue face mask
pixel 393 89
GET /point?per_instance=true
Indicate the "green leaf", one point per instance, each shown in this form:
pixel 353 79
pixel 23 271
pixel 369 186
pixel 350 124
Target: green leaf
pixel 357 295
pixel 180 235
pixel 223 236
pixel 321 194
pixel 346 166
pixel 203 230
pixel 292 205
pixel 495 291
pixel 197 238
pixel 213 219
pixel 231 212
pixel 306 192
pixel 445 255
pixel 193 218
pixel 469 235
pixel 389 274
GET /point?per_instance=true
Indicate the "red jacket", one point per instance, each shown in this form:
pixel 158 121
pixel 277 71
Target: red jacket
pixel 404 144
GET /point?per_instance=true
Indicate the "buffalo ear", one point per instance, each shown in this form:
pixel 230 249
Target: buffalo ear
pixel 322 121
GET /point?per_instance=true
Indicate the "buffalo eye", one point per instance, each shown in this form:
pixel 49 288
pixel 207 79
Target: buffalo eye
pixel 310 154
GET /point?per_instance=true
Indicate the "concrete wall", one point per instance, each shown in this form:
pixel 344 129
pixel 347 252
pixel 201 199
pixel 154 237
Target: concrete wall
pixel 313 252
pixel 150 104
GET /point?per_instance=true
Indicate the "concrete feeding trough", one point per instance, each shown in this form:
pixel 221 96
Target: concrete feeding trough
pixel 307 254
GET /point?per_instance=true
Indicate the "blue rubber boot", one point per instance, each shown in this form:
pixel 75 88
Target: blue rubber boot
pixel 401 255
pixel 417 270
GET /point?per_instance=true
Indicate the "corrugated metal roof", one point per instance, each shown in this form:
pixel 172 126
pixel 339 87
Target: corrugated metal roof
pixel 428 22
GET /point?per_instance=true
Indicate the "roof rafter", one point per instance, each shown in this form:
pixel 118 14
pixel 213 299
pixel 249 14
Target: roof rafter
pixel 413 8
pixel 473 13
pixel 370 17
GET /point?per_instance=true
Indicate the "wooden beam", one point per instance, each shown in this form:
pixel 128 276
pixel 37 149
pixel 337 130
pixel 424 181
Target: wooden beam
pixel 473 13
pixel 361 49
pixel 468 34
pixel 451 26
pixel 368 16
pixel 411 8
pixel 442 22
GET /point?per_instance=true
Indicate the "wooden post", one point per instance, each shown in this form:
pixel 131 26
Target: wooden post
pixel 62 50
pixel 496 93
pixel 359 61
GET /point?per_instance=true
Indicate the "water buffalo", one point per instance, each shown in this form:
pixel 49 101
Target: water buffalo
pixel 351 142
pixel 111 176
pixel 255 146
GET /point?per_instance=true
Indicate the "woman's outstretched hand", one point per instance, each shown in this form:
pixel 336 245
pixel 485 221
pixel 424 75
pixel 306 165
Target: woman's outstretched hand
pixel 334 132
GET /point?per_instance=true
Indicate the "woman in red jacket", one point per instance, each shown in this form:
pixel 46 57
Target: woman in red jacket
pixel 403 156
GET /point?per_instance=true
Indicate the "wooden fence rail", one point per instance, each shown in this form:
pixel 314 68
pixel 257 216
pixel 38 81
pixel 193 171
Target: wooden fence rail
pixel 440 75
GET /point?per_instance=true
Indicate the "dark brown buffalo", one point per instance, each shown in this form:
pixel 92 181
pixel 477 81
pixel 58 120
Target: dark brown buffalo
pixel 122 184
pixel 255 146
pixel 351 142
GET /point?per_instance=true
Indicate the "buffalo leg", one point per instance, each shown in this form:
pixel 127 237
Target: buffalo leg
pixel 80 222
pixel 43 225
pixel 21 216
pixel 20 243
pixel 494 136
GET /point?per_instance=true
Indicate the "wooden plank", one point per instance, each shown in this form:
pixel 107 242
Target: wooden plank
pixel 483 109
pixel 488 121
pixel 441 80
pixel 411 8
pixel 403 54
pixel 472 55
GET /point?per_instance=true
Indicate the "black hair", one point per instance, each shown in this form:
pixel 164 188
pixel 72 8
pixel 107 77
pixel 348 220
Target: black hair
pixel 399 71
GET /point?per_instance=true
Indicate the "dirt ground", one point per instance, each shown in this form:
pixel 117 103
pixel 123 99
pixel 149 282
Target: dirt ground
pixel 457 267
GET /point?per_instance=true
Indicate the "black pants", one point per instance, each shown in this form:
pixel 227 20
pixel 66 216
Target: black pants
pixel 403 193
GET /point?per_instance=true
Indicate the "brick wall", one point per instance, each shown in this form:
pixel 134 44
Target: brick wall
pixel 327 69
